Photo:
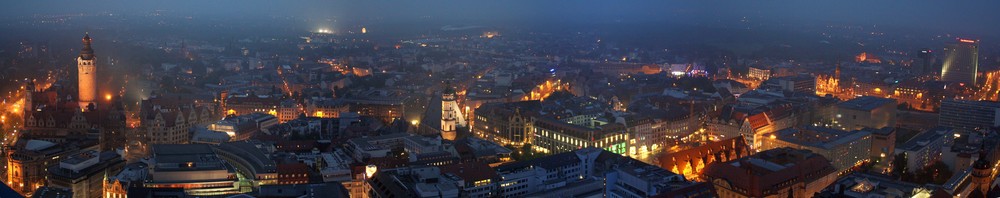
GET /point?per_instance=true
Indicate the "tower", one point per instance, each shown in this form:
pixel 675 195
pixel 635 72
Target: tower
pixel 925 62
pixel 836 72
pixel 982 171
pixel 29 90
pixel 961 62
pixel 448 116
pixel 87 75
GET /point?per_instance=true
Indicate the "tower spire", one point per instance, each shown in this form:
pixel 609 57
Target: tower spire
pixel 836 72
pixel 87 53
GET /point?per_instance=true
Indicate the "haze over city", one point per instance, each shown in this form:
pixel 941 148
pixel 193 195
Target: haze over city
pixel 330 98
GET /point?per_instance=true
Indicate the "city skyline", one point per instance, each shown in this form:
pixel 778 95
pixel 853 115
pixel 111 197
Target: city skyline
pixel 499 99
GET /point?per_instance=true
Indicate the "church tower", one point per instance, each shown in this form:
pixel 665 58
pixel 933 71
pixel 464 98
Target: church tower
pixel 448 116
pixel 87 75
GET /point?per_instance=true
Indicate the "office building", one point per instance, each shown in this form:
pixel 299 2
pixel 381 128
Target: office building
pixel 961 62
pixel 924 63
pixel 969 115
pixel 798 83
pixel 557 136
pixel 866 111
pixel 925 148
pixel 845 149
pixel 83 173
pixel 195 168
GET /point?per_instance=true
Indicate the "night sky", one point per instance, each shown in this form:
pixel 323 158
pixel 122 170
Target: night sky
pixel 964 17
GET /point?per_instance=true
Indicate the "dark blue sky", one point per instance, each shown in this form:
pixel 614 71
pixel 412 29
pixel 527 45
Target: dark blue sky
pixel 970 17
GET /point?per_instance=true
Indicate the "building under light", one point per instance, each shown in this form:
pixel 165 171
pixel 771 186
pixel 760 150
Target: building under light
pixel 961 62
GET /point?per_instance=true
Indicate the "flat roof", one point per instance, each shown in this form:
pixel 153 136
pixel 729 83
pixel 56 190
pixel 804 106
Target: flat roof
pixel 866 103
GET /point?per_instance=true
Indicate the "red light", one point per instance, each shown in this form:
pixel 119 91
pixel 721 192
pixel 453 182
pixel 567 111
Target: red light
pixel 966 41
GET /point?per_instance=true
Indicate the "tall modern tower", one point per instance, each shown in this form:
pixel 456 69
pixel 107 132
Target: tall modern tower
pixel 87 75
pixel 448 116
pixel 961 62
pixel 924 63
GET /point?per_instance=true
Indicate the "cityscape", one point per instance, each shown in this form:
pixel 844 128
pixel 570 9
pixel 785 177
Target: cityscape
pixel 505 99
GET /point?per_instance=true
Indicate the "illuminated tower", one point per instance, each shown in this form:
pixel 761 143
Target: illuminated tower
pixel 982 171
pixel 925 62
pixel 448 116
pixel 87 69
pixel 961 62
pixel 836 72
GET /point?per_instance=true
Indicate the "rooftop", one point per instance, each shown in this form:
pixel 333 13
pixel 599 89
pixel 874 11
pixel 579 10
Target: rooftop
pixel 248 151
pixel 922 139
pixel 866 103
pixel 819 137
pixel 185 157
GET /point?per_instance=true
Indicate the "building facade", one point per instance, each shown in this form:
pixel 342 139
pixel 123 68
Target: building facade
pixel 961 62
pixel 969 115
pixel 866 111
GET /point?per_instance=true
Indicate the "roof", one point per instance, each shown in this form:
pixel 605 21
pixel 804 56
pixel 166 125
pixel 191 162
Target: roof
pixel 768 170
pixel 37 145
pixel 825 138
pixel 295 168
pixel 922 139
pixel 248 151
pixel 732 148
pixel 550 162
pixel 471 171
pixel 866 103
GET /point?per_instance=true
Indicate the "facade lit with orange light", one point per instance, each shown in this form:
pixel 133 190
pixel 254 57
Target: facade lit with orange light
pixel 759 73
pixel 914 96
pixel 544 89
pixel 326 108
pixel 27 167
pixel 692 162
pixel 505 123
pixel 87 74
pixel 752 126
pixel 868 58
pixel 115 189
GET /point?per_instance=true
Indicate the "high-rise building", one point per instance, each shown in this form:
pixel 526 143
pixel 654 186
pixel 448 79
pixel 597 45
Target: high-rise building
pixel 969 115
pixel 87 75
pixel 924 63
pixel 961 62
pixel 448 117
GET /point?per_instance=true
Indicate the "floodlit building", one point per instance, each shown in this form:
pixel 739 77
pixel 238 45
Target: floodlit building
pixel 866 111
pixel 961 62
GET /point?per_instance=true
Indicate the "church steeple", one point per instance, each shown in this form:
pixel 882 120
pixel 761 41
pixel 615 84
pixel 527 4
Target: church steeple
pixel 836 72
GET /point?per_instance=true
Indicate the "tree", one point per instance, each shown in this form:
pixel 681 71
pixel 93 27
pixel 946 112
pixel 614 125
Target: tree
pixel 899 164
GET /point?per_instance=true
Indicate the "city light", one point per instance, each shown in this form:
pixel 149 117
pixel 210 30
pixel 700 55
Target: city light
pixel 250 102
